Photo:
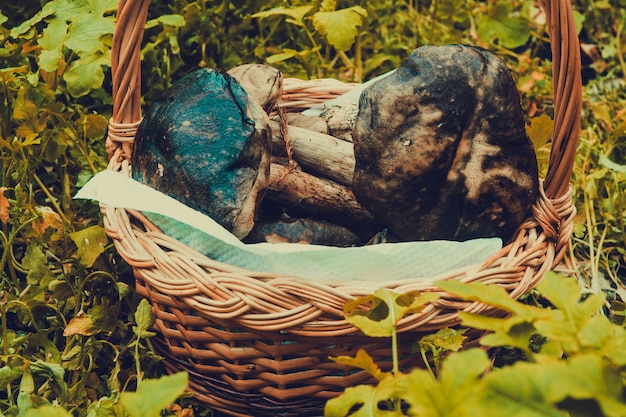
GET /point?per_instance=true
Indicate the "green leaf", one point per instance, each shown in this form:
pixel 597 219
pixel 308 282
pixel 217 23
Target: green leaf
pixel 364 361
pixel 328 5
pixel 295 14
pixel 460 371
pixel 90 243
pixel 492 295
pixel 93 125
pixel 340 27
pixel 54 35
pixel 498 24
pixel 513 331
pixel 454 393
pixel 51 43
pixel 107 407
pixel 525 389
pixel 153 395
pixel 445 339
pixel 606 338
pixel 48 411
pixel 105 316
pixel 566 324
pixel 85 74
pixel 272 59
pixel 540 133
pixel 613 166
pixel 386 308
pixel 54 372
pixel 49 60
pixel 144 318
pixel 85 33
pixel 37 265
pixel 175 20
pixel 61 289
pixel 564 293
pixel 518 391
pixel 440 343
pixel 368 398
pixel 9 374
pixel 579 19
pixel 47 10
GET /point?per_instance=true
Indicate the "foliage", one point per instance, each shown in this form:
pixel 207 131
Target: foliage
pixel 577 368
pixel 74 335
pixel 149 401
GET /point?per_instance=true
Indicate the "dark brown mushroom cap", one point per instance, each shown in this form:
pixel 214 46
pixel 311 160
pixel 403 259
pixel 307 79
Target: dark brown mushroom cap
pixel 441 147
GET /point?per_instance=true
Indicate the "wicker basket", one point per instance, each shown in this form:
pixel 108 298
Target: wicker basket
pixel 258 344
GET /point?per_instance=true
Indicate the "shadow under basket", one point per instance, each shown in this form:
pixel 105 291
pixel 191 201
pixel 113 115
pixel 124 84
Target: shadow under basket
pixel 259 344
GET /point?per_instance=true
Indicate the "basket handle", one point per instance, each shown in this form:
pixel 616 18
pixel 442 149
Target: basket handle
pixel 567 92
pixel 126 80
pixel 567 88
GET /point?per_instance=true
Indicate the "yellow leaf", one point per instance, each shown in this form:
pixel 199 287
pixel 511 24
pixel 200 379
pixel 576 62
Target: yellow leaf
pixel 540 130
pixel 386 308
pixel 364 361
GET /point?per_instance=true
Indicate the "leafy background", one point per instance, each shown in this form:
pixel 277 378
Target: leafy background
pixel 73 332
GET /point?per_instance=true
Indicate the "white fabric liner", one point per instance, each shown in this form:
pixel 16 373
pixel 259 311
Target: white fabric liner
pixel 380 263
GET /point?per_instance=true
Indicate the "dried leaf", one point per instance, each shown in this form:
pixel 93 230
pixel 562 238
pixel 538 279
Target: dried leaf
pixel 4 205
pixel 49 219
pixel 83 325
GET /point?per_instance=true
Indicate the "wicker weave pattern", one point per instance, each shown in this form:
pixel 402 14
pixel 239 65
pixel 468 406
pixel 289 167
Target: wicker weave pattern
pixel 257 343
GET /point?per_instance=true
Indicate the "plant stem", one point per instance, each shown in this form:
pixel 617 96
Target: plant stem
pixel 618 43
pixel 50 197
pixel 426 363
pixel 433 19
pixel 394 350
pixel 346 61
pixel 5 330
pixel 358 59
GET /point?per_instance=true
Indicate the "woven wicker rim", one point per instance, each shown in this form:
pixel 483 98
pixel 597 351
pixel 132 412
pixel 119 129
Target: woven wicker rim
pixel 270 302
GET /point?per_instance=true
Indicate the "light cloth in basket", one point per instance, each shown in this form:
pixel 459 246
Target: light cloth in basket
pixel 383 262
